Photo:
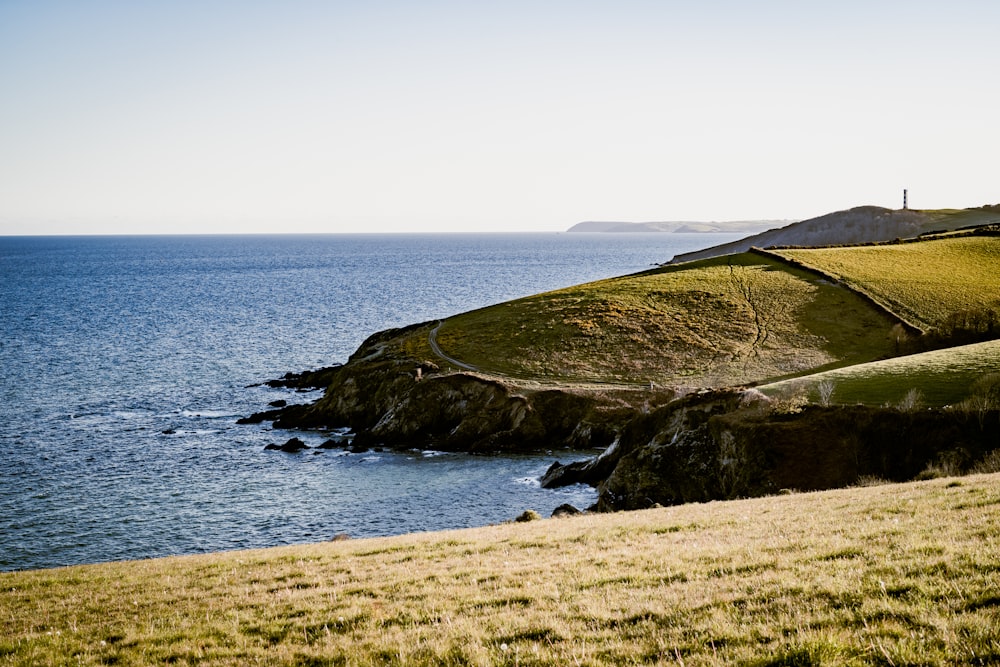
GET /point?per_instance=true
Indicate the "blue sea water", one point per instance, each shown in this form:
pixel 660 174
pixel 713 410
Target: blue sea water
pixel 126 361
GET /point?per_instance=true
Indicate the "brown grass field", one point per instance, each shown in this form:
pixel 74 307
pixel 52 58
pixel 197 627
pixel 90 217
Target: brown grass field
pixel 881 575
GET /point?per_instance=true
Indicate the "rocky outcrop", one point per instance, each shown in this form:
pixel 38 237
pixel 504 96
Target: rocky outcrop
pixel 659 447
pixel 391 399
pixel 728 444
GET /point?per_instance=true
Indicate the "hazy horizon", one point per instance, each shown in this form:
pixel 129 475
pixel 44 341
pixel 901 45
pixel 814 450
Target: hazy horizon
pixel 336 117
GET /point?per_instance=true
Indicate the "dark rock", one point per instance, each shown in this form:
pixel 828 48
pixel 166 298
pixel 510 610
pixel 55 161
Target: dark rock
pixel 565 510
pixel 292 446
pixel 286 417
pixel 592 471
pixel 280 403
pixel 333 444
pixel 169 431
pixel 712 446
pixel 316 379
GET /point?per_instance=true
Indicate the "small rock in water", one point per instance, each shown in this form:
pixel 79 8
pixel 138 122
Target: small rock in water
pixel 292 446
pixel 333 444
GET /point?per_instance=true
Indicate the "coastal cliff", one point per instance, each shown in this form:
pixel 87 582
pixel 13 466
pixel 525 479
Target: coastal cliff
pixel 390 399
pixel 660 446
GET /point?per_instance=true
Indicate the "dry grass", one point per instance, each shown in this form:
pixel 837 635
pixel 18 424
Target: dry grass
pixel 890 574
pixel 730 320
pixel 922 282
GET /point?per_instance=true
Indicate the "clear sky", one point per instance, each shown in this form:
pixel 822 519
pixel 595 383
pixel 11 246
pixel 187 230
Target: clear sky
pixel 136 116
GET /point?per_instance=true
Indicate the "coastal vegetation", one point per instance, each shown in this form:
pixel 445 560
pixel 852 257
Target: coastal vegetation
pixel 719 322
pixel 945 377
pixel 880 574
pixel 923 282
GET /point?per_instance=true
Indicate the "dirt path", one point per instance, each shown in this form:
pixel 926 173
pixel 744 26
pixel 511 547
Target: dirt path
pixel 436 349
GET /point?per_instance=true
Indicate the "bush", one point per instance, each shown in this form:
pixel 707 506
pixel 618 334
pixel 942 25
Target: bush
pixel 989 463
pixel 911 401
pixel 947 464
pixel 963 327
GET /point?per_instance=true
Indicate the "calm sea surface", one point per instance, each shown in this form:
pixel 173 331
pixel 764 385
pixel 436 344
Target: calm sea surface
pixel 125 362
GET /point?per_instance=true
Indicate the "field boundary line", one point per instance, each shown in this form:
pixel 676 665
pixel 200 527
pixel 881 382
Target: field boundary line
pixel 910 327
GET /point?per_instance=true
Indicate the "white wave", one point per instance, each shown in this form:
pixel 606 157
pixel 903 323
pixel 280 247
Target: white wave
pixel 208 414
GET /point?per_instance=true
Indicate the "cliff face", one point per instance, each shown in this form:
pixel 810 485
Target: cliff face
pixel 659 448
pixel 727 444
pixel 389 399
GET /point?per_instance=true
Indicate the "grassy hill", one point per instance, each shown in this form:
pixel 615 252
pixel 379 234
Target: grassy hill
pixel 863 224
pixel 746 318
pixel 724 321
pixel 922 282
pixel 887 575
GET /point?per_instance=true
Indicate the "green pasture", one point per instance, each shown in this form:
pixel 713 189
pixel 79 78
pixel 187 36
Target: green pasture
pixel 922 282
pixel 942 377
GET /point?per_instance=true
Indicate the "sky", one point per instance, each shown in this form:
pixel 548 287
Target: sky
pixel 256 116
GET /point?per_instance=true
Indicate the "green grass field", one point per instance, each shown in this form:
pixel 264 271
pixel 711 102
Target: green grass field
pixel 942 377
pixel 922 282
pixel 882 575
pixel 725 321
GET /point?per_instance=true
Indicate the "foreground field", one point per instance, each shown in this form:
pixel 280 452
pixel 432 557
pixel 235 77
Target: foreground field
pixel 889 575
pixel 731 320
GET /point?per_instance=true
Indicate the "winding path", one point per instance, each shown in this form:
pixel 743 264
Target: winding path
pixel 436 349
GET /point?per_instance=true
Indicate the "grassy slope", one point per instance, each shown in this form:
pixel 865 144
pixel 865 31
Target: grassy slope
pixel 724 321
pixel 943 377
pixel 922 282
pixel 955 218
pixel 905 574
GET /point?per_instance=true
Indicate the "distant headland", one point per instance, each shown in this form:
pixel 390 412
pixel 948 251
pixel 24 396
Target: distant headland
pixel 734 226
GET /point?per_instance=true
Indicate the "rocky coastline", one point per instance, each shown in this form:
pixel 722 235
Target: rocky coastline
pixel 660 446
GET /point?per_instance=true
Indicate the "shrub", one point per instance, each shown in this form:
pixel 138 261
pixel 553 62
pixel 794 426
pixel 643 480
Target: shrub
pixel 911 401
pixel 989 463
pixel 825 390
pixel 947 464
pixel 963 327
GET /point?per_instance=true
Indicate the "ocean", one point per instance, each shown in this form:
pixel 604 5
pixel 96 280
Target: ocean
pixel 126 362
